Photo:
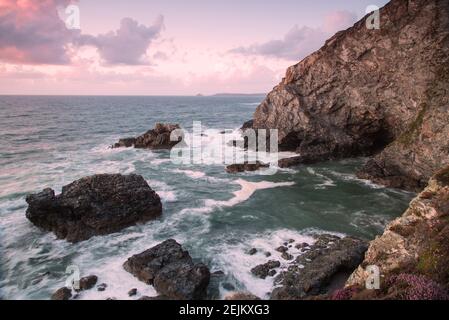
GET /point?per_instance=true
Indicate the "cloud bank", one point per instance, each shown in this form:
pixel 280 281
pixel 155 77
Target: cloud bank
pixel 300 41
pixel 32 32
pixel 127 45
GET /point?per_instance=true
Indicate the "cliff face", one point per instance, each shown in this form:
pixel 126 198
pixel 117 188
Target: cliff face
pixel 413 252
pixel 368 92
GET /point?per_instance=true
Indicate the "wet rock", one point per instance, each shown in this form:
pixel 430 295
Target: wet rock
pixel 247 125
pixel 287 256
pixel 157 138
pixel 95 205
pixel 228 286
pixel 312 272
pixel 263 270
pixel 62 294
pixel 281 249
pixel 244 296
pixel 132 292
pixel 252 251
pixel 272 273
pixel 125 143
pixel 87 283
pixel 171 271
pixel 242 167
pixel 102 287
pixel 301 245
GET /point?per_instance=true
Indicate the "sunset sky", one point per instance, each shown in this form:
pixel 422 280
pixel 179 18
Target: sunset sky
pixel 155 47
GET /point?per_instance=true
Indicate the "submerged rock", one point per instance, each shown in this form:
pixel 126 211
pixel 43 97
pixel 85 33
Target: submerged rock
pixel 359 95
pixel 95 205
pixel 62 294
pixel 314 271
pixel 171 271
pixel 242 167
pixel 157 138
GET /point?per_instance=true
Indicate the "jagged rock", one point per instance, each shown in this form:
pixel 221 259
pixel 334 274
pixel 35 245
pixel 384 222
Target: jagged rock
pixel 287 256
pixel 95 205
pixel 414 246
pixel 252 251
pixel 125 143
pixel 247 125
pixel 241 296
pixel 312 272
pixel 102 287
pixel 263 270
pixel 132 292
pixel 242 167
pixel 157 138
pixel 369 90
pixel 87 283
pixel 171 271
pixel 62 294
pixel 281 249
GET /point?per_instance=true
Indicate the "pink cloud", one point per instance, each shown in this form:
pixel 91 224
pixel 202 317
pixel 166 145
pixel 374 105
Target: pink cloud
pixel 127 45
pixel 300 42
pixel 31 32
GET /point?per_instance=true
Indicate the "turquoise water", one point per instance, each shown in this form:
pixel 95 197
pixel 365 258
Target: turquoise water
pixel 51 141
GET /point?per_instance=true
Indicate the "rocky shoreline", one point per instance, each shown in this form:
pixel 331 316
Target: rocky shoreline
pixel 356 96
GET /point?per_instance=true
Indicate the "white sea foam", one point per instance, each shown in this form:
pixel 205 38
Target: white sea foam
pixel 327 181
pixel 247 190
pixel 235 260
pixel 192 174
pixel 165 191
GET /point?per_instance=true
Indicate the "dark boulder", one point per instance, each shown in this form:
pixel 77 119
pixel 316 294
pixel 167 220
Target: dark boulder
pixel 95 205
pixel 157 138
pixel 132 292
pixel 87 283
pixel 171 271
pixel 242 167
pixel 62 294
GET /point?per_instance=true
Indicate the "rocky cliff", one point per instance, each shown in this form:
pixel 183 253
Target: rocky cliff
pixel 413 252
pixel 372 92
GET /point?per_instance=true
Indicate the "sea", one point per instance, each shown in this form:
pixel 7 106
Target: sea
pixel 50 141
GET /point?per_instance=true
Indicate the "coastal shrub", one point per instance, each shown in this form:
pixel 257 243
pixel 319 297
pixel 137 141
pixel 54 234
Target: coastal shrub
pixel 417 287
pixel 344 294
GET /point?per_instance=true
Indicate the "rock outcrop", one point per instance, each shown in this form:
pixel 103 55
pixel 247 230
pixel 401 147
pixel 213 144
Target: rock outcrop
pixel 319 268
pixel 157 138
pixel 413 252
pixel 171 271
pixel 95 205
pixel 368 91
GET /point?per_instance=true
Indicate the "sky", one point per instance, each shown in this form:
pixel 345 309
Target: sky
pixel 161 47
